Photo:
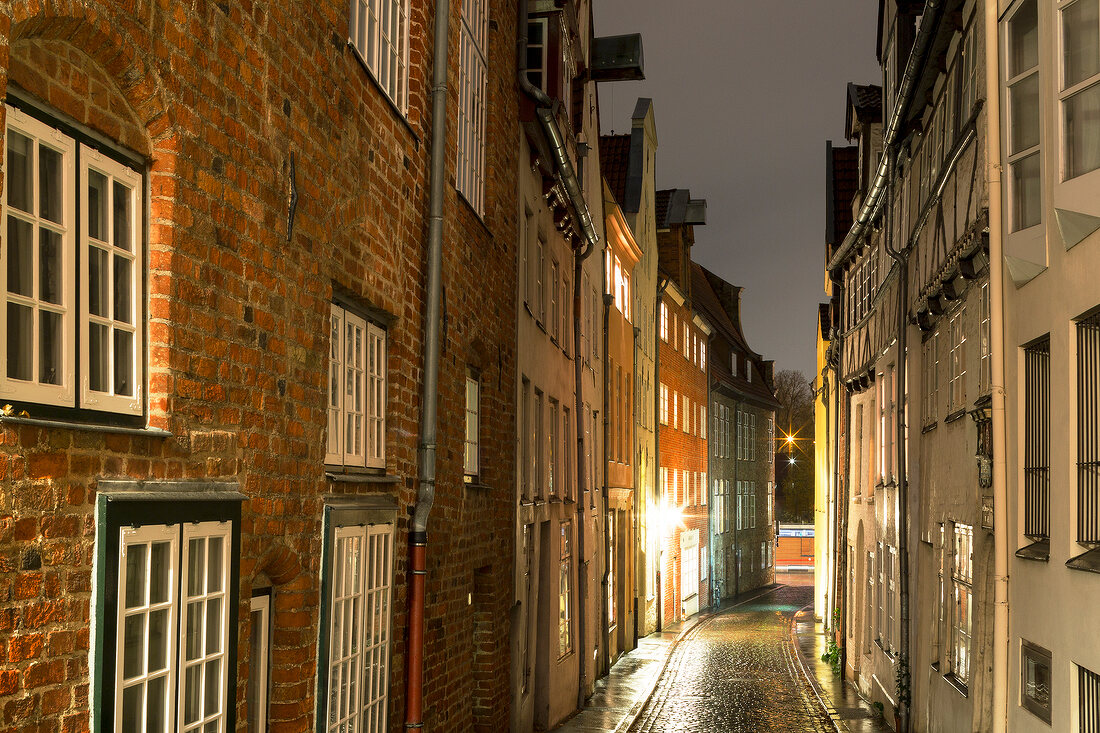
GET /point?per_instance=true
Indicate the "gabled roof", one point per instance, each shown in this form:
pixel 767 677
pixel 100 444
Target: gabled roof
pixel 841 186
pixel 719 302
pixel 615 163
pixel 864 105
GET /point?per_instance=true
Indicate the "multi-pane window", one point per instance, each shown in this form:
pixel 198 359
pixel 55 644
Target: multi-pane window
pixel 526 474
pixel 1088 701
pixel 259 660
pixel 985 346
pixel 931 363
pixel 740 434
pixel 552 450
pixel 966 78
pixel 1037 440
pixel 962 596
pixel 880 618
pixel 380 34
pixel 357 669
pixel 1088 430
pixel 565 589
pixel 1080 90
pixel 52 255
pixel 172 628
pixel 537 454
pixel 869 603
pixel 664 322
pixel 539 264
pixel 664 404
pixel 470 165
pixel 1035 680
pixel 611 570
pixel 703 355
pixel 752 436
pixel 472 452
pixel 566 453
pixel 889 636
pixel 957 360
pixel 357 391
pixel 1023 114
pixel 554 317
pixel 536 52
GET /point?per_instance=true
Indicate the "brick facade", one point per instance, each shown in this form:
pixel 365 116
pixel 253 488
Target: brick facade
pixel 218 100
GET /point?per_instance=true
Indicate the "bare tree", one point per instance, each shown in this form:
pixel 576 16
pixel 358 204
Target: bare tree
pixel 794 460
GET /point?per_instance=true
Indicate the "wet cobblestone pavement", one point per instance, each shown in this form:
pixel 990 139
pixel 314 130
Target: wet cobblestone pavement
pixel 736 672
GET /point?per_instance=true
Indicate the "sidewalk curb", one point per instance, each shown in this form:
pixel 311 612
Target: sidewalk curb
pixel 699 620
pixel 822 697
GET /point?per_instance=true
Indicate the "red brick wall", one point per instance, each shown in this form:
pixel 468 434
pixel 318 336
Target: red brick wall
pixel 680 450
pixel 218 96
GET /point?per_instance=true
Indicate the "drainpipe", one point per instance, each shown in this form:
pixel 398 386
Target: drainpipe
pixel 605 632
pixel 902 259
pixel 590 240
pixel 996 292
pixel 657 487
pixel 418 531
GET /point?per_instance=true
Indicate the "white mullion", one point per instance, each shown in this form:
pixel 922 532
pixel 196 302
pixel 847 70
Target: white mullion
pixel 344 662
pixel 375 448
pixel 130 539
pixel 333 452
pixel 204 532
pixel 110 400
pixel 33 389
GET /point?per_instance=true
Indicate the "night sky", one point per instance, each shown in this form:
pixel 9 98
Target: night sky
pixel 745 94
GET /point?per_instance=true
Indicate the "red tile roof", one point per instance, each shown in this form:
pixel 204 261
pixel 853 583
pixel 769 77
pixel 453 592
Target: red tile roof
pixel 615 163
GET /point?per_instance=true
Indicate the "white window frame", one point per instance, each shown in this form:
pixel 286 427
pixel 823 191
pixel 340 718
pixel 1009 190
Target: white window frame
pixel 371 602
pixel 962 573
pixel 1014 158
pixel 664 404
pixel 365 368
pixel 565 589
pixel 470 150
pixel 472 452
pixel 383 48
pixel 664 322
pixel 1068 90
pixel 212 654
pixel 259 662
pixel 957 360
pixel 75 317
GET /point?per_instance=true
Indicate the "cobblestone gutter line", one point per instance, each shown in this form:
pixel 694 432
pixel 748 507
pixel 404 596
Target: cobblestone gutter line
pixel 794 653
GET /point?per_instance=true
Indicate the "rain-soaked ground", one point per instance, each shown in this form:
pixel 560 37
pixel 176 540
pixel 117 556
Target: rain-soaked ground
pixel 736 671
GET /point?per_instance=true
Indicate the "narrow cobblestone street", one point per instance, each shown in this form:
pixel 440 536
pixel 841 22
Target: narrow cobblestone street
pixel 736 672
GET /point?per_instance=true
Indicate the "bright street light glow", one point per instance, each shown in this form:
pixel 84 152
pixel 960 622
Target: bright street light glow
pixel 791 461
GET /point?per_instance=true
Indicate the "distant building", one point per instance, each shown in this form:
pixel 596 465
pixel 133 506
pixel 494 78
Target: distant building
pixel 741 466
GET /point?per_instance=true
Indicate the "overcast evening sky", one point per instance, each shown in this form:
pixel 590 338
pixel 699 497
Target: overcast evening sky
pixel 745 94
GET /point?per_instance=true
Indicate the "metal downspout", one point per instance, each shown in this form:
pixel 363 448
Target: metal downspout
pixel 418 531
pixel 901 257
pixel 605 632
pixel 933 10
pixel 658 488
pixel 1001 637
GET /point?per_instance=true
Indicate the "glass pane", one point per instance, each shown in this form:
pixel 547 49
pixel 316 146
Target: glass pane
pixel 121 206
pixel 98 354
pixel 20 257
pixel 158 640
pixel 133 646
pixel 124 362
pixel 98 284
pixel 49 347
pixel 20 342
pixel 131 709
pixel 19 171
pixel 123 285
pixel 195 562
pixel 155 704
pixel 1023 39
pixel 1025 192
pixel 213 625
pixel 214 565
pixel 1081 41
pixel 193 637
pixel 159 570
pixel 97 205
pixel 192 680
pixel 211 727
pixel 50 184
pixel 49 266
pixel 1083 131
pixel 1025 113
pixel 135 576
pixel 213 685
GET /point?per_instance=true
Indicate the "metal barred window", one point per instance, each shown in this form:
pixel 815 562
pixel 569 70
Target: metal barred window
pixel 1088 701
pixel 1088 430
pixel 470 166
pixel 1037 440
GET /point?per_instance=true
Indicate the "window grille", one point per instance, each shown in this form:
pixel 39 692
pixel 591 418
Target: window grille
pixel 1088 701
pixel 1037 440
pixel 1088 430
